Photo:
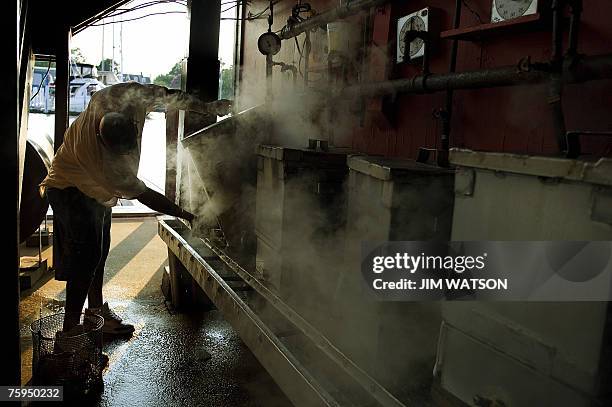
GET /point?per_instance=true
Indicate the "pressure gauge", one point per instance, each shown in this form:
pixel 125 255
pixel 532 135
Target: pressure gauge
pixel 418 21
pixel 269 43
pixel 509 9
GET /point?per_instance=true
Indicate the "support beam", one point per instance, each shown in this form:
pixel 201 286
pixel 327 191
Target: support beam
pixel 62 79
pixel 203 58
pixel 10 374
pixel 186 294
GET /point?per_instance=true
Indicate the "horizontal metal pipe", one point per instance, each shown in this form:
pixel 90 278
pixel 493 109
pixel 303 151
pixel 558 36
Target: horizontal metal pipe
pixel 578 70
pixel 505 76
pixel 337 13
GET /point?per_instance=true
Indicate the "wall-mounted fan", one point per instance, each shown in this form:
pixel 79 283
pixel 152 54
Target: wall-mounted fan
pixel 417 21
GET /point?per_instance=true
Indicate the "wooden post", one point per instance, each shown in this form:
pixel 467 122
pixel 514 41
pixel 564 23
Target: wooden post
pixel 186 293
pixel 202 76
pixel 177 290
pixel 10 159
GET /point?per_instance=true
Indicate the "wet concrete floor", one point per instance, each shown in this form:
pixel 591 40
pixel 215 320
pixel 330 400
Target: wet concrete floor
pixel 193 359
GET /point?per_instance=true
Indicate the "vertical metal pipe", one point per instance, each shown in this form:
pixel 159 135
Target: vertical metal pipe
pixel 576 8
pixel 427 41
pixel 239 49
pixel 307 48
pixel 557 30
pixel 269 62
pixel 555 95
pixel 446 114
pixel 268 78
pixel 330 104
pixel 556 102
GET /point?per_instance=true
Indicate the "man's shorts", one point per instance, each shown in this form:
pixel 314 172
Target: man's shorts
pixel 81 233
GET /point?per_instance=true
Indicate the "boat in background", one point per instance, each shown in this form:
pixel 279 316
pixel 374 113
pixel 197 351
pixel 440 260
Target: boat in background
pixel 85 80
pixel 83 84
pixel 42 96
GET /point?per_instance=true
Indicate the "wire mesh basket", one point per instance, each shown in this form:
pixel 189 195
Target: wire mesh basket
pixel 73 361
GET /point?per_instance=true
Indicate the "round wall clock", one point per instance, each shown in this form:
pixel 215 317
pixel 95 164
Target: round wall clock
pixel 509 9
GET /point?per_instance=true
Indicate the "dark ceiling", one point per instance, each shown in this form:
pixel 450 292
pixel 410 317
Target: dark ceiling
pixel 48 22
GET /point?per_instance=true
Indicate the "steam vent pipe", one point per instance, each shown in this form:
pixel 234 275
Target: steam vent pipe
pixel 576 70
pixel 346 9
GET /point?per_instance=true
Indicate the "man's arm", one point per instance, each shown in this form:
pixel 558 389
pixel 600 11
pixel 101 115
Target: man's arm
pixel 159 95
pixel 160 203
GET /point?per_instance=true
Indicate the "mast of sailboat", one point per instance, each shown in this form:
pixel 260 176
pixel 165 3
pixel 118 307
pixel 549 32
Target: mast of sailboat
pixel 102 60
pixel 121 49
pixel 112 67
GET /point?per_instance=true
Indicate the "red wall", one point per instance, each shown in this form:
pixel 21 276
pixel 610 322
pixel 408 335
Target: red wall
pixel 516 119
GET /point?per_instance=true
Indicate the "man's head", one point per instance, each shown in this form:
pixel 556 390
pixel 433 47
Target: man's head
pixel 118 132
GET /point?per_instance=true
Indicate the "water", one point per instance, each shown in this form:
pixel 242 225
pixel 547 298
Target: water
pixel 152 169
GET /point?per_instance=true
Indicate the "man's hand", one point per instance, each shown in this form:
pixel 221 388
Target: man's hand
pixel 188 216
pixel 220 107
pixel 196 224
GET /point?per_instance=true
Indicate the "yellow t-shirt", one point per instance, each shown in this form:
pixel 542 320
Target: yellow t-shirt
pixel 82 161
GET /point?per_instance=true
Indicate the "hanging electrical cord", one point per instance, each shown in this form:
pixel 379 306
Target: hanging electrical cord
pixel 251 16
pixel 299 64
pixel 41 82
pixel 231 3
pixel 122 11
pixel 258 15
pixel 236 4
pixel 244 18
pixel 138 18
pixel 295 16
pixel 298 9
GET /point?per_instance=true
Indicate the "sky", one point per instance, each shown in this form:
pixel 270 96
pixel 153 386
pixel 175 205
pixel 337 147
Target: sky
pixel 151 45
